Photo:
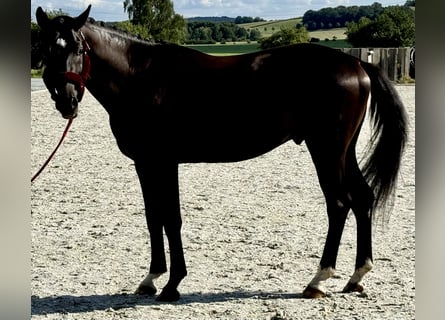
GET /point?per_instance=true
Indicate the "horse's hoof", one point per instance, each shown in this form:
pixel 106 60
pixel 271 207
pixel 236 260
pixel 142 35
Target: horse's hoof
pixel 168 295
pixel 313 293
pixel 353 287
pixel 145 290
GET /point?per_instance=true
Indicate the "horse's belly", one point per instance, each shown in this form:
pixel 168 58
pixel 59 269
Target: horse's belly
pixel 231 143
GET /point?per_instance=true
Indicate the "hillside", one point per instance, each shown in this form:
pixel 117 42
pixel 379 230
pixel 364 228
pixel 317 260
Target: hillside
pixel 267 28
pixel 338 33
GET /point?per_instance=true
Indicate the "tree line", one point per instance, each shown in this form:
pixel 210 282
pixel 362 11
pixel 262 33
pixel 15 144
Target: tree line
pixel 212 32
pixel 339 17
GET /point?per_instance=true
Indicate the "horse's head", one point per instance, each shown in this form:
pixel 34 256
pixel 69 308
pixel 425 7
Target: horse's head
pixel 65 56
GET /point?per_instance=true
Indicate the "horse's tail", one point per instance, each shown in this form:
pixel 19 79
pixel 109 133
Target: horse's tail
pixel 389 136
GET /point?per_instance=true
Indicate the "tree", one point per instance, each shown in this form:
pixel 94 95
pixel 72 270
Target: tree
pixel 211 32
pixel 158 17
pixel 134 29
pixel 254 35
pixel 358 33
pixel 338 16
pixel 227 32
pixel 285 36
pixel 395 27
pixel 36 54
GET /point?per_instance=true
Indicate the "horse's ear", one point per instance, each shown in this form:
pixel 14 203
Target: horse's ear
pixel 42 18
pixel 82 18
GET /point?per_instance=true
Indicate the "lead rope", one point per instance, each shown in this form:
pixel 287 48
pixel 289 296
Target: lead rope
pixel 68 125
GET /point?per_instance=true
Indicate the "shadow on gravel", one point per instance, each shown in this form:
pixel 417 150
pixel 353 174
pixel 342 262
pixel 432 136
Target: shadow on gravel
pixel 79 304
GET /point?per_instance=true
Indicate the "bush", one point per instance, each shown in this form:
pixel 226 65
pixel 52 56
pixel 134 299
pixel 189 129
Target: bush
pixel 395 27
pixel 285 36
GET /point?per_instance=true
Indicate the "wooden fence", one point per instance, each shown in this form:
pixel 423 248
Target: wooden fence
pixel 394 61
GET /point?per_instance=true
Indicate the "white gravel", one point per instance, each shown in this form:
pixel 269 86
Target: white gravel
pixel 253 233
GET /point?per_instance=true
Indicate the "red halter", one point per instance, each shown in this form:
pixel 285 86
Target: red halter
pixel 79 79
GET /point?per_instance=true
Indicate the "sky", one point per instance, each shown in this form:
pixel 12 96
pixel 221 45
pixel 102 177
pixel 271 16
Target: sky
pixel 113 10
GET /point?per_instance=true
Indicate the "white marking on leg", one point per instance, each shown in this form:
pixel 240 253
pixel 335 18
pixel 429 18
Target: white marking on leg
pixel 360 272
pixel 148 281
pixel 322 275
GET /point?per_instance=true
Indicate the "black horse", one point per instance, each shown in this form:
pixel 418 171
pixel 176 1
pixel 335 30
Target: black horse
pixel 169 105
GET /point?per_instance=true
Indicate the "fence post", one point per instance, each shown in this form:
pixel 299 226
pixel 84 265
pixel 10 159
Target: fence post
pixel 383 63
pixel 363 55
pixel 376 56
pixel 392 64
pixel 404 62
pixel 370 55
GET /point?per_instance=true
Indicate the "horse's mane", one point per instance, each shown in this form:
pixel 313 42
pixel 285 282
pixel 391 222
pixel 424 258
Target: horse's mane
pixel 125 34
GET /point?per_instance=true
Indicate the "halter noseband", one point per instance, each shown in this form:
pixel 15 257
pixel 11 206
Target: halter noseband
pixel 78 79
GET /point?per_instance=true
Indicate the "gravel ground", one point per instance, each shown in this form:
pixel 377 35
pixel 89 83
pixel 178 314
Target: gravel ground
pixel 253 233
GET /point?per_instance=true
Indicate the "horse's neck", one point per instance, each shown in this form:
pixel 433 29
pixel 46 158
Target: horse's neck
pixel 109 64
pixel 108 48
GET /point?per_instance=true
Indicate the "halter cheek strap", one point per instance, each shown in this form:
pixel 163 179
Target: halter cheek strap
pixel 79 79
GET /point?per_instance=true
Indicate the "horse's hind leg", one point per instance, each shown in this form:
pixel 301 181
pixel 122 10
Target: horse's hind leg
pixel 347 190
pixel 362 199
pixel 328 158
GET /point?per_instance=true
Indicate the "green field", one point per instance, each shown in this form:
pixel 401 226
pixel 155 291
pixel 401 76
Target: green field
pixel 338 33
pixel 267 28
pixel 243 47
pixel 226 49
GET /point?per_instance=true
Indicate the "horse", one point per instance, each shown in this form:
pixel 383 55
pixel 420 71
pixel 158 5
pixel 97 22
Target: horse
pixel 169 104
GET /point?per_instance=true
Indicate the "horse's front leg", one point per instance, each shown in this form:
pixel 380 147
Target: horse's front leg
pixel 160 189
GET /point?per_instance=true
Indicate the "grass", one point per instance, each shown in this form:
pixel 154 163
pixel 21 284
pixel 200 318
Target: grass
pixel 226 49
pixel 244 47
pixel 338 33
pixel 342 43
pixel 36 73
pixel 326 38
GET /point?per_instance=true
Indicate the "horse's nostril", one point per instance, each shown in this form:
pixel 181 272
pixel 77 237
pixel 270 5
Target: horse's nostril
pixel 74 102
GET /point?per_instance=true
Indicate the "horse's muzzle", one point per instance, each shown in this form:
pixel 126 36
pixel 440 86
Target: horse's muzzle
pixel 67 107
pixel 67 95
